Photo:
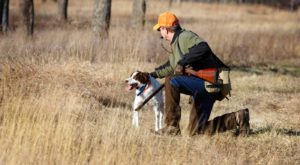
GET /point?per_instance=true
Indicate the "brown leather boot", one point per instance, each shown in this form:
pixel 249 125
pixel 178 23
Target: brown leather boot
pixel 172 110
pixel 221 124
pixel 242 118
pixel 169 130
pixel 238 120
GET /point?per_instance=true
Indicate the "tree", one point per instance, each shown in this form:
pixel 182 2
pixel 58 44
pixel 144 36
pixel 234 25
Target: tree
pixel 46 0
pixel 101 17
pixel 27 14
pixel 138 13
pixel 62 10
pixel 4 15
pixel 171 2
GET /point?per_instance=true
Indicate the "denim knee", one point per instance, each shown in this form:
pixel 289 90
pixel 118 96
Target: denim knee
pixel 175 83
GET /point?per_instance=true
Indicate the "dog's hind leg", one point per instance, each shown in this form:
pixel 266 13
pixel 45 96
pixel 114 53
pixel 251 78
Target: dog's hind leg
pixel 157 117
pixel 161 116
pixel 158 110
pixel 135 118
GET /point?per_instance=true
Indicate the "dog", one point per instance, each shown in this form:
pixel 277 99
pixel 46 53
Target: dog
pixel 144 86
pixel 238 120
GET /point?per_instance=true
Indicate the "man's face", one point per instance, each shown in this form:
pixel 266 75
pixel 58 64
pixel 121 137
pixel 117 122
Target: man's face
pixel 164 32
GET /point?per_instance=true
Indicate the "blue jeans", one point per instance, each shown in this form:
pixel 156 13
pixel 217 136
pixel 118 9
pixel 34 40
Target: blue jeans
pixel 203 101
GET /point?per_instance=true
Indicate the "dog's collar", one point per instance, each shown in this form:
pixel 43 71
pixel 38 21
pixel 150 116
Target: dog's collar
pixel 143 88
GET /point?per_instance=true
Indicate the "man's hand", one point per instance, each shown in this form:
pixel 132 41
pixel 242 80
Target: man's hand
pixel 179 70
pixel 153 74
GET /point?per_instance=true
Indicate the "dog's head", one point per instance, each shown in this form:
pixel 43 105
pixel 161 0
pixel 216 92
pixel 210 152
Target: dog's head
pixel 136 80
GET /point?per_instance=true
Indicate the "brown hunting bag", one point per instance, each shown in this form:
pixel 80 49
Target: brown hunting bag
pixel 222 86
pixel 216 80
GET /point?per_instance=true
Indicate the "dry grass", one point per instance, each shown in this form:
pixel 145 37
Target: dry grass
pixel 62 99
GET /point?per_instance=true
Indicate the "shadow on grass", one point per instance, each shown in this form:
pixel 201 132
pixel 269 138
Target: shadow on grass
pixel 259 70
pixel 106 101
pixel 112 102
pixel 277 131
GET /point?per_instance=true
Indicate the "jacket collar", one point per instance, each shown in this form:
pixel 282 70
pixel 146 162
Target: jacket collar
pixel 177 32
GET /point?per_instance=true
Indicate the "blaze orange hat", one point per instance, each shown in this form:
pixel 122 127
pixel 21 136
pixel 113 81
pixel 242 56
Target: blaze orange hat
pixel 166 19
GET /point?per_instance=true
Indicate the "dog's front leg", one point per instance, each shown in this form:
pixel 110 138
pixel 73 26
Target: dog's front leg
pixel 135 114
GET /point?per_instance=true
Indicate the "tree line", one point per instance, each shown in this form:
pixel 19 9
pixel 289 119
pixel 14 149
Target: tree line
pixel 287 4
pixel 102 12
pixel 100 20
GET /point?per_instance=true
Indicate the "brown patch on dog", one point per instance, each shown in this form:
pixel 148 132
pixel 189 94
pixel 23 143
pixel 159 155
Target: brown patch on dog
pixel 236 120
pixel 142 77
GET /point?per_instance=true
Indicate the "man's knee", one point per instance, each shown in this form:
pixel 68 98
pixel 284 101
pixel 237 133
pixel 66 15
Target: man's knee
pixel 174 83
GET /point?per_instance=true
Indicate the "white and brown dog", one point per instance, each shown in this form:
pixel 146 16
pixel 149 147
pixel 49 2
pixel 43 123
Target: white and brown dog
pixel 144 86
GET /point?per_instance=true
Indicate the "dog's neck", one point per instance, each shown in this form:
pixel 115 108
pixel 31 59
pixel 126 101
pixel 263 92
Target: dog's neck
pixel 143 88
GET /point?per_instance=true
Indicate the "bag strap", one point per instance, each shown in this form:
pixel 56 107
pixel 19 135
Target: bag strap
pixel 178 45
pixel 214 56
pixel 221 62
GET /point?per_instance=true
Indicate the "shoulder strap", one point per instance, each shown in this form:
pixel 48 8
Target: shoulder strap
pixel 178 44
pixel 220 62
pixel 214 56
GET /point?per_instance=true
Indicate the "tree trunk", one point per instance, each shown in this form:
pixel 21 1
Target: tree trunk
pixel 101 20
pixel 5 15
pixel 62 10
pixel 170 3
pixel 138 14
pixel 27 14
pixel 1 12
pixel 46 0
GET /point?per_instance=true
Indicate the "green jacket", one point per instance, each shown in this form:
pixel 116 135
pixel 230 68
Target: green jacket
pixel 182 41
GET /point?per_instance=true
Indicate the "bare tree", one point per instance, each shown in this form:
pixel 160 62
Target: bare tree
pixel 27 14
pixel 46 0
pixel 138 13
pixel 101 17
pixel 62 10
pixel 171 2
pixel 4 15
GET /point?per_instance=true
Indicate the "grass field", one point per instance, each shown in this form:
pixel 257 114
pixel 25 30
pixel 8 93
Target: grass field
pixel 62 97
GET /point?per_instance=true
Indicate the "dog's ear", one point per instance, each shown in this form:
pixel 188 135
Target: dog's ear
pixel 142 77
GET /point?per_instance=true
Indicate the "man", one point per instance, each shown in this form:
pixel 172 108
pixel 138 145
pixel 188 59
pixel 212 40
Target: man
pixel 188 50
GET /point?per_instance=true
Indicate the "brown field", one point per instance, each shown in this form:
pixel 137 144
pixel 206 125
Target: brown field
pixel 62 98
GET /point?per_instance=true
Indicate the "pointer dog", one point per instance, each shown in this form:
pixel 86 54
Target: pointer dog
pixel 144 86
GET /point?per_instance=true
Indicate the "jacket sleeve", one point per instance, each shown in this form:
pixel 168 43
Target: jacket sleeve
pixel 164 70
pixel 196 53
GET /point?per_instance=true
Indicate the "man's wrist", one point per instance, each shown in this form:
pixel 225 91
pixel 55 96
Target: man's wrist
pixel 181 63
pixel 154 75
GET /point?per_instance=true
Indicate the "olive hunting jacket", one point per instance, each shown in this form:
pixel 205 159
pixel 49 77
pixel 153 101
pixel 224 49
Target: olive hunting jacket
pixel 188 49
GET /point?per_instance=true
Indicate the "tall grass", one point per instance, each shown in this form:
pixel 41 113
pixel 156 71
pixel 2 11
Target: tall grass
pixel 62 99
pixel 240 35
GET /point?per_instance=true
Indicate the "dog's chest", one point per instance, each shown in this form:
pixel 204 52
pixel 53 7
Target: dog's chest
pixel 153 85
